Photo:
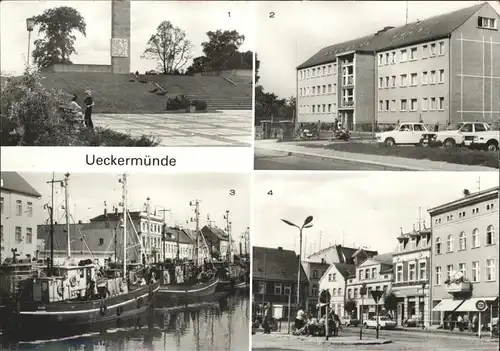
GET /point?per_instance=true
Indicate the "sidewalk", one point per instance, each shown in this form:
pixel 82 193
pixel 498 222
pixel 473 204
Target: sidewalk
pixel 279 338
pixel 387 161
pixel 485 335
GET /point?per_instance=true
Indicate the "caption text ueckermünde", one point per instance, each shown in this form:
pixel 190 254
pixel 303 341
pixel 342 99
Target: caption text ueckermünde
pixel 93 160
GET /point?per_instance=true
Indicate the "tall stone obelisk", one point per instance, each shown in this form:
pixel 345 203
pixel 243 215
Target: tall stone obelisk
pixel 120 36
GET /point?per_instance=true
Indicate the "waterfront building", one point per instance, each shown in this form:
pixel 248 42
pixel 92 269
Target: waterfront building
pixel 374 273
pixel 442 70
pixel 274 280
pixel 465 267
pixel 411 267
pixel 217 240
pixel 18 210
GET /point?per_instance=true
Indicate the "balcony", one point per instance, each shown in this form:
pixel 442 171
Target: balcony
pixel 347 103
pixel 348 80
pixel 458 287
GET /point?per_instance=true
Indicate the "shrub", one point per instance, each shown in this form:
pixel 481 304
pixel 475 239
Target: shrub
pixel 200 105
pixel 30 115
pixel 180 102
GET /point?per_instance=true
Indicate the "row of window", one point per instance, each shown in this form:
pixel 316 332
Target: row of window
pixel 279 288
pixel 490 239
pixel 486 22
pixel 476 210
pixel 368 273
pixel 415 242
pixel 153 228
pixel 324 108
pixel 475 277
pixel 427 104
pixel 434 77
pixel 19 207
pixel 320 71
pixel 28 239
pixel 412 54
pixel 317 90
pixel 352 293
pixel 414 274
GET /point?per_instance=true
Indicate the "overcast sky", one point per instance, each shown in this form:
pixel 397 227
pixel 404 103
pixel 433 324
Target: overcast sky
pixel 368 207
pixel 88 191
pixel 300 29
pixel 194 17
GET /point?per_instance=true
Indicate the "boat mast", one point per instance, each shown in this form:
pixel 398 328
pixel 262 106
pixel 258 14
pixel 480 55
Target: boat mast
pixel 124 202
pixel 228 230
pixel 196 205
pixel 51 236
pixel 148 237
pixel 66 208
pixel 178 244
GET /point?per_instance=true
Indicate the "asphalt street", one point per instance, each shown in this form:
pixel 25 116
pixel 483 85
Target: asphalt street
pixel 278 160
pixel 401 340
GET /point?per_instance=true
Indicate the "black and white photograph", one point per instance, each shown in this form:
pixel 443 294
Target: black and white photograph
pixel 375 261
pixel 126 73
pixel 124 261
pixel 374 85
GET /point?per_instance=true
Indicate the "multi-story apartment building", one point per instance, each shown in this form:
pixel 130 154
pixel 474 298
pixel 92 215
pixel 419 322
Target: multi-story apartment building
pixel 178 243
pixel 443 69
pixel 274 280
pixel 411 267
pixel 314 272
pixel 18 227
pixel 465 253
pixel 217 240
pixel 335 282
pixel 374 273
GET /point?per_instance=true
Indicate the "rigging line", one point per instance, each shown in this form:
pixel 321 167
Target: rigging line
pixel 85 241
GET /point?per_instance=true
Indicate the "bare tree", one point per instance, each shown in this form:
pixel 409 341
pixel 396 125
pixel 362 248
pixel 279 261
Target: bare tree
pixel 170 47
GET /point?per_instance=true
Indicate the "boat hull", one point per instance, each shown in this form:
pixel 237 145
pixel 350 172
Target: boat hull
pixel 63 318
pixel 187 292
pixel 242 285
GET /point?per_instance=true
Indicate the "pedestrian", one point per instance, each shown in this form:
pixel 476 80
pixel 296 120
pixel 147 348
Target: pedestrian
pixel 299 320
pixel 436 127
pixel 335 124
pixel 267 319
pixel 460 323
pixel 89 103
pixel 475 323
pixel 450 322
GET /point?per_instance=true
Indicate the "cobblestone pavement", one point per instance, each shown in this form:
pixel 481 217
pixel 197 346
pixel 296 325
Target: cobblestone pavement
pixel 401 341
pixel 224 128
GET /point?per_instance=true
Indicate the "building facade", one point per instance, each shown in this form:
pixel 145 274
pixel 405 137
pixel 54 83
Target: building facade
pixel 374 273
pixel 411 267
pixel 442 70
pixel 274 280
pixel 18 227
pixel 314 272
pixel 465 256
pixel 335 282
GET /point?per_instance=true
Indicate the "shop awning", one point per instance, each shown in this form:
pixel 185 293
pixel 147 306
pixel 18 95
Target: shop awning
pixel 470 304
pixel 447 305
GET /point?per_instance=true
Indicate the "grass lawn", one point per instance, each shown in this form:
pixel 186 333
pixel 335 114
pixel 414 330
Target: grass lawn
pixel 463 156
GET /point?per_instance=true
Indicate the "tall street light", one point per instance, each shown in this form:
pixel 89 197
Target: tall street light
pixel 305 225
pixel 30 24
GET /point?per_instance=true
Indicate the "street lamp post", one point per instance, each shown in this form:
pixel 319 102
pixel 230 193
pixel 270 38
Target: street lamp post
pixel 30 24
pixel 306 224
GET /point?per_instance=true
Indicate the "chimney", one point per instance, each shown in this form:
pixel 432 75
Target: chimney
pixel 280 248
pixel 105 211
pixel 116 210
pixel 466 192
pixel 79 221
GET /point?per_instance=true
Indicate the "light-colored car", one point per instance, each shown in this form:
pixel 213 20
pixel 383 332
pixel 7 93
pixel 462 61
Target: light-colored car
pixel 349 321
pixel 462 133
pixel 486 140
pixel 404 133
pixel 383 322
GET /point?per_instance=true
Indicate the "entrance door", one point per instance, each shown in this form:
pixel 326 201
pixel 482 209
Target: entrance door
pixel 400 313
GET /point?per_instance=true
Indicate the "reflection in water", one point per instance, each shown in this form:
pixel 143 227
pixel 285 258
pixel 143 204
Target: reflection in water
pixel 213 325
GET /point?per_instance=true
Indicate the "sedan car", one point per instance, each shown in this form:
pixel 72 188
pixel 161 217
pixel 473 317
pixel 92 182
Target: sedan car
pixel 349 321
pixel 383 322
pixel 404 133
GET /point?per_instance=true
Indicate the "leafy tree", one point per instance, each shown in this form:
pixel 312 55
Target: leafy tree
pixel 170 47
pixel 350 306
pixel 257 67
pixel 390 302
pixel 57 26
pixel 220 52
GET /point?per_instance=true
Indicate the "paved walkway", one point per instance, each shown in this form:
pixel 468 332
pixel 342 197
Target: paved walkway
pixel 222 128
pixel 376 160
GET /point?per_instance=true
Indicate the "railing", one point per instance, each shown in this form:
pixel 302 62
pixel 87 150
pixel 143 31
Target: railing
pixel 348 103
pixel 458 287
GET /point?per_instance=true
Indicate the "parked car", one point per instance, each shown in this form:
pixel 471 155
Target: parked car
pixel 152 73
pixel 411 322
pixel 467 134
pixel 404 133
pixel 349 321
pixel 383 322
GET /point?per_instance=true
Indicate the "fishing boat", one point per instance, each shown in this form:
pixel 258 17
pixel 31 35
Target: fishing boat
pixel 77 297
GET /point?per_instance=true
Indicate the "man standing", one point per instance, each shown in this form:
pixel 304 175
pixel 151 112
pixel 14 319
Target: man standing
pixel 89 103
pixel 299 320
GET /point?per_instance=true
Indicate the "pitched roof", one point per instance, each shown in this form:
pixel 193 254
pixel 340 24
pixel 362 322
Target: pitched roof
pixel 385 258
pixel 114 215
pixel 393 37
pixel 276 264
pixel 345 269
pixel 470 198
pixel 345 254
pixel 12 181
pixel 215 231
pixel 174 233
